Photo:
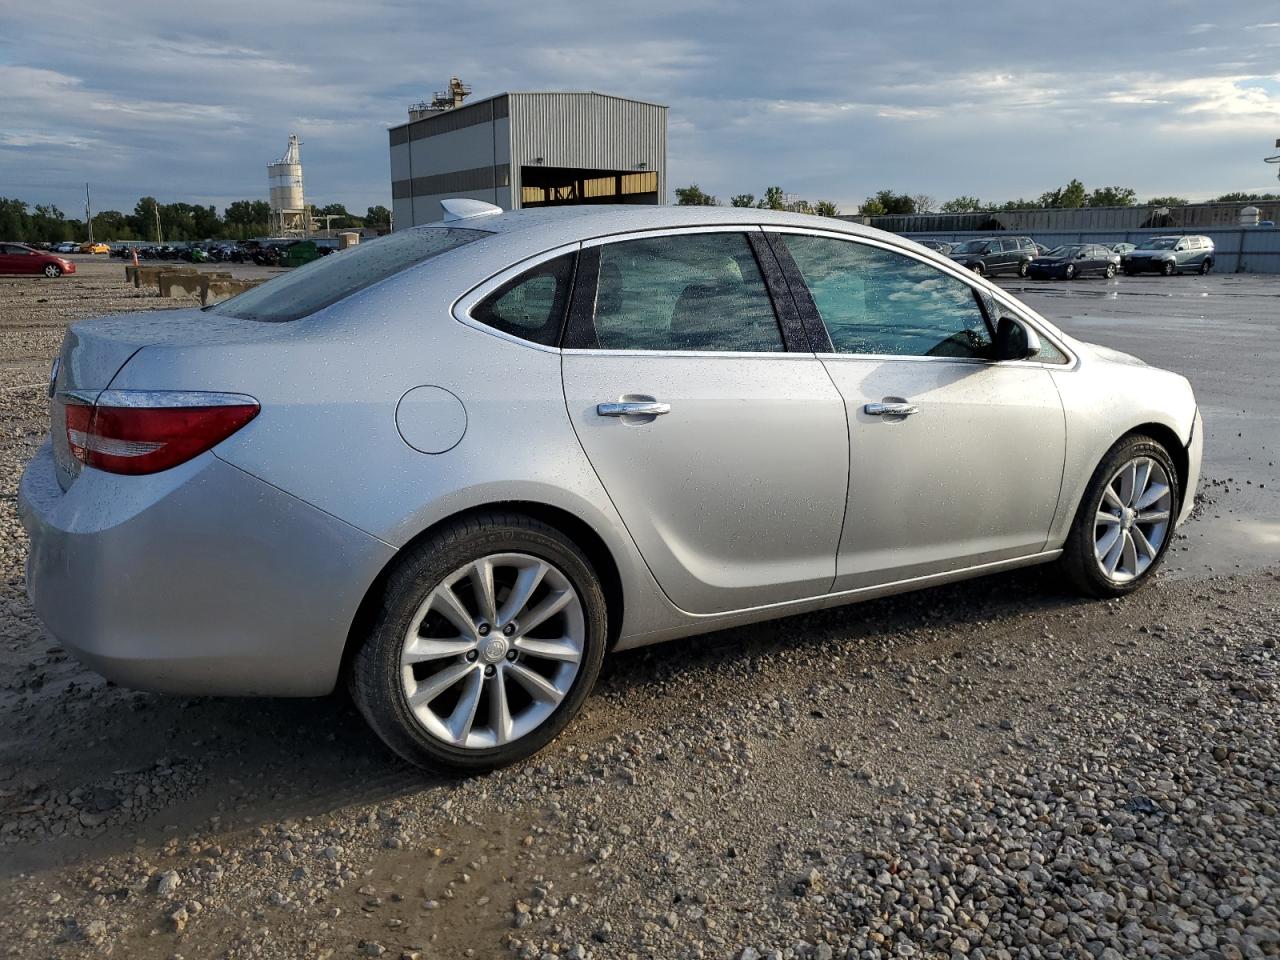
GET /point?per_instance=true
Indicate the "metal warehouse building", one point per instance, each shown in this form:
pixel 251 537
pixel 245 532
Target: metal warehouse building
pixel 528 150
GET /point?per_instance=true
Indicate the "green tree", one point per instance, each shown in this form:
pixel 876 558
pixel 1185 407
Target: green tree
pixel 111 225
pixel 378 216
pixel 774 199
pixel 743 200
pixel 1113 197
pixel 924 203
pixel 1071 196
pixel 14 220
pixel 871 207
pixel 890 203
pixel 1167 202
pixel 692 196
pixel 1245 197
pixel 961 205
pixel 825 208
pixel 247 218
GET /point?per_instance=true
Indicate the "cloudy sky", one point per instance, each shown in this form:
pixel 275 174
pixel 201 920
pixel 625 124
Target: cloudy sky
pixel 189 101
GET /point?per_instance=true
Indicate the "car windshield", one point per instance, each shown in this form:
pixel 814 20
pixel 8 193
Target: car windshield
pixel 1069 250
pixel 1159 243
pixel 325 281
pixel 970 246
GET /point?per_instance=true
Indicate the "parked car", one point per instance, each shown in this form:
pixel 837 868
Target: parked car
pixel 1122 248
pixel 995 255
pixel 939 245
pixel 1170 255
pixel 453 466
pixel 1041 250
pixel 91 247
pixel 20 258
pixel 67 246
pixel 1075 260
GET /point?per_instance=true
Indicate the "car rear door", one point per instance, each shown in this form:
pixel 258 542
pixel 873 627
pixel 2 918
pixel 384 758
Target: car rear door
pixel 6 259
pixel 955 460
pixel 716 432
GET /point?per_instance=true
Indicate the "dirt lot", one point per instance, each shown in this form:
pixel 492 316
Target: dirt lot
pixel 994 769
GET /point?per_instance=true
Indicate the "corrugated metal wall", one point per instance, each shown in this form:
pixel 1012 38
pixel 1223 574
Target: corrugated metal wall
pixel 588 130
pixel 1248 250
pixel 1193 215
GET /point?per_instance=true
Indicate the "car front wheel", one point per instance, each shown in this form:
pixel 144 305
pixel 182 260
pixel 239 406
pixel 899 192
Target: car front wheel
pixel 1111 271
pixel 52 270
pixel 489 638
pixel 1168 269
pixel 1125 522
pixel 1070 272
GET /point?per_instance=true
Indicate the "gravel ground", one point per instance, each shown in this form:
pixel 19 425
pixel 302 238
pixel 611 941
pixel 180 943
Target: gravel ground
pixel 992 769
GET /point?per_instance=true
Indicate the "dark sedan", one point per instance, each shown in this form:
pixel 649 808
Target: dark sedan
pixel 1075 260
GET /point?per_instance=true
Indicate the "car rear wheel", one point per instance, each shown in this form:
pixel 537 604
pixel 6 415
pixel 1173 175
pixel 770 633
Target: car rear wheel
pixel 1205 267
pixel 1070 272
pixel 1023 268
pixel 489 638
pixel 1168 269
pixel 52 270
pixel 1111 271
pixel 1125 522
pixel 980 269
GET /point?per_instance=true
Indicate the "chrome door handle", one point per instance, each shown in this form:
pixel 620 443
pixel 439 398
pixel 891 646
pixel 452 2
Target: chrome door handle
pixel 633 408
pixel 891 409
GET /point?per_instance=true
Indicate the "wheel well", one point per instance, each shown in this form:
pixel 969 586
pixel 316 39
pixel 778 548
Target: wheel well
pixel 577 530
pixel 1171 442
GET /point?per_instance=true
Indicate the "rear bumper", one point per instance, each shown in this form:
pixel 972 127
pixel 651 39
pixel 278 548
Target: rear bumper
pixel 198 580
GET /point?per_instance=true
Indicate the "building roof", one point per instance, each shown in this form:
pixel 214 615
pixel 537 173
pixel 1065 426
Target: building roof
pixel 528 93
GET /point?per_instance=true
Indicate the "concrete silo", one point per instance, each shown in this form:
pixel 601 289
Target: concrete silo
pixel 289 214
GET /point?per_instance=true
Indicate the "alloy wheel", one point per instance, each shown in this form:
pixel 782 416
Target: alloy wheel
pixel 492 651
pixel 52 270
pixel 1132 520
pixel 1111 271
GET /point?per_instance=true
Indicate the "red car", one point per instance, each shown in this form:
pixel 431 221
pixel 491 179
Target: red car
pixel 19 258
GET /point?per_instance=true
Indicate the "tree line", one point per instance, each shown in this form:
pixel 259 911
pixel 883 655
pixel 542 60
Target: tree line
pixel 1073 195
pixel 774 199
pixel 154 221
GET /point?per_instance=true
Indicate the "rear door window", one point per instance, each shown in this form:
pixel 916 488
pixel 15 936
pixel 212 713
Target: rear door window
pixel 323 282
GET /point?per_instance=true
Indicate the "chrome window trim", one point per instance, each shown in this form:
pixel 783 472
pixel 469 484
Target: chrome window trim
pixel 671 231
pixel 703 354
pixel 462 307
pixel 951 268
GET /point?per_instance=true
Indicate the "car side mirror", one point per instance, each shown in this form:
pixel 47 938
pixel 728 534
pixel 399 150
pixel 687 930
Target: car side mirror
pixel 1014 341
pixel 1082 256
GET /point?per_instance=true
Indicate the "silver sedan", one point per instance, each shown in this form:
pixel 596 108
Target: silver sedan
pixel 453 467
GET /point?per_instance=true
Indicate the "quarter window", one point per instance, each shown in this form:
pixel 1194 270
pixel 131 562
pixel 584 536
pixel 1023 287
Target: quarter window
pixel 697 291
pixel 532 305
pixel 875 301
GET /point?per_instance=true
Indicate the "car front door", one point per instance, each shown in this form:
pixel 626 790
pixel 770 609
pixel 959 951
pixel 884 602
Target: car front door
pixel 717 434
pixel 955 460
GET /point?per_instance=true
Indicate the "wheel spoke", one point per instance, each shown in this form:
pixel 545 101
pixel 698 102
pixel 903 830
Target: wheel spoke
pixel 428 648
pixel 1152 495
pixel 526 582
pixel 464 714
pixel 1130 554
pixel 1153 516
pixel 1127 479
pixel 539 687
pixel 499 709
pixel 563 649
pixel 1107 518
pixel 482 583
pixel 548 608
pixel 1107 542
pixel 1143 545
pixel 430 688
pixel 1110 497
pixel 445 602
pixel 1112 555
pixel 1141 479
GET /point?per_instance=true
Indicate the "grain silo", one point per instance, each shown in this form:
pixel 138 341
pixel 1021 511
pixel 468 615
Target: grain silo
pixel 289 215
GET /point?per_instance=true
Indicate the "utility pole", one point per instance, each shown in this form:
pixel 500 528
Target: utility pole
pixel 88 212
pixel 159 238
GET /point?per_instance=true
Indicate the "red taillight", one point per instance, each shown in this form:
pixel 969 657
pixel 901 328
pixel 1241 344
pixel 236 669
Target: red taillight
pixel 135 432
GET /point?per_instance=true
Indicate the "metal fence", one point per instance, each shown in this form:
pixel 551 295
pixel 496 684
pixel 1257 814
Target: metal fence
pixel 1237 250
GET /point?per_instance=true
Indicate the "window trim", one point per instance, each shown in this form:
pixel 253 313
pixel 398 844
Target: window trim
pixel 462 307
pixel 582 304
pixel 984 289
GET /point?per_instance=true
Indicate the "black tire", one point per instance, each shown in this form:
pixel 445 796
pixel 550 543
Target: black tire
pixel 1205 266
pixel 374 677
pixel 980 268
pixel 1023 268
pixel 1078 563
pixel 1169 268
pixel 1070 271
pixel 1110 272
pixel 52 270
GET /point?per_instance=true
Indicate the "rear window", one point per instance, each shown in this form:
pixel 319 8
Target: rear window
pixel 321 283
